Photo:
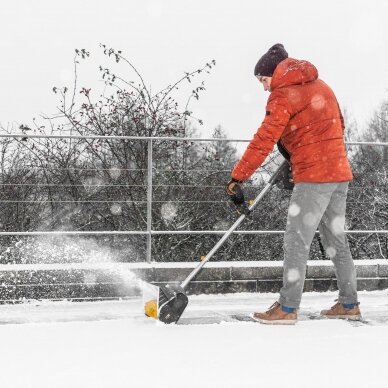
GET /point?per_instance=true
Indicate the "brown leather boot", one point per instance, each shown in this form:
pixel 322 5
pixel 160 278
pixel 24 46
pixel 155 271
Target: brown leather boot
pixel 338 311
pixel 276 316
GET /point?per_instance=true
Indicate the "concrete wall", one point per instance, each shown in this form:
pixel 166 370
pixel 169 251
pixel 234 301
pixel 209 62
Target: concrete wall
pixel 119 280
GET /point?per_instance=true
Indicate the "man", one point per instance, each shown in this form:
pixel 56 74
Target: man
pixel 303 117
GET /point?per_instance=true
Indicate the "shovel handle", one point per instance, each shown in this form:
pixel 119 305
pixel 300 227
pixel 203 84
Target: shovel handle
pixel 234 226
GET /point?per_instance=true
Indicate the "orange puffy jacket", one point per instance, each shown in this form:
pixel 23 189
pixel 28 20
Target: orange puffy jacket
pixel 303 113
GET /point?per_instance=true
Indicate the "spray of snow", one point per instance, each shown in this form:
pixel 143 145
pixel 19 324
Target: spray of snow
pixel 90 279
pixel 69 249
pixel 73 250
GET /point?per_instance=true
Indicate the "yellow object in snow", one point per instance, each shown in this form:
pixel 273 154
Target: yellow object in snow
pixel 151 309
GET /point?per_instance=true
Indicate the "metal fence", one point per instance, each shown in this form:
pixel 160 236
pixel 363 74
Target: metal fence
pixel 149 201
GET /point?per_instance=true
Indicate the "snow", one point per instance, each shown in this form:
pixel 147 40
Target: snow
pixel 112 344
pixel 331 252
pixel 309 219
pixel 318 102
pixel 168 211
pixel 293 275
pixel 115 172
pixel 338 225
pixel 293 209
pixel 116 209
pixel 125 267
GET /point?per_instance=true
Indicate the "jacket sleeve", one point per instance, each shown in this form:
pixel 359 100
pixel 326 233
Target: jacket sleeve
pixel 276 119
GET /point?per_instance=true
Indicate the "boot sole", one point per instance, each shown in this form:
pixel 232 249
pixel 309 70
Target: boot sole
pixel 346 317
pixel 275 322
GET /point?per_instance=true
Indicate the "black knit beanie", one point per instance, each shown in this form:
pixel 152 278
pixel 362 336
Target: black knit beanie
pixel 268 62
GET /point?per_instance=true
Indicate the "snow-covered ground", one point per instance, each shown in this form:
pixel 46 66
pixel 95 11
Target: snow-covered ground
pixel 112 344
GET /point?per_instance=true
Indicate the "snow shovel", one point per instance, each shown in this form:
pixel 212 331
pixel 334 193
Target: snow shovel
pixel 172 299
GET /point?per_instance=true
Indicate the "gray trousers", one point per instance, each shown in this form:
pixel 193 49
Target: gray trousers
pixel 312 206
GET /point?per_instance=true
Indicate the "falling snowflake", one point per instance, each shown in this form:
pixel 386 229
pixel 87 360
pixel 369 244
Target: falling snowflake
pixel 116 209
pixel 309 219
pixel 294 209
pixel 318 102
pixel 114 173
pixel 168 211
pixel 338 225
pixel 331 252
pixel 132 165
pixel 92 184
pixel 294 96
pixel 293 275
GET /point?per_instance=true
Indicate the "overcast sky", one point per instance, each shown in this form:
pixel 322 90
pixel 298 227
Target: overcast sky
pixel 346 40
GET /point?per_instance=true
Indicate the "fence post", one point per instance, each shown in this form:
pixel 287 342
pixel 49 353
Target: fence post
pixel 149 201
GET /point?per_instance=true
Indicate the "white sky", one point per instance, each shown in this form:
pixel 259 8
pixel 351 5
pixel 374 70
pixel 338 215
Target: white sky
pixel 347 40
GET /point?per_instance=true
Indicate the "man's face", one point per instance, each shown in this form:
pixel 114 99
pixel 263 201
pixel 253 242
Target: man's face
pixel 265 81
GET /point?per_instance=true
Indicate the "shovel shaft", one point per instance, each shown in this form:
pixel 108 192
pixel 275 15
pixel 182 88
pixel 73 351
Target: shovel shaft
pixel 232 228
pixel 213 251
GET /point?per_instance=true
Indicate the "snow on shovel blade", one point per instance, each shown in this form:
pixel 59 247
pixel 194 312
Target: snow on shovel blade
pixel 171 303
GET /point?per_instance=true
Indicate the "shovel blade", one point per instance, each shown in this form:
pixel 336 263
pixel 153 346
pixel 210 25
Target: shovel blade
pixel 172 302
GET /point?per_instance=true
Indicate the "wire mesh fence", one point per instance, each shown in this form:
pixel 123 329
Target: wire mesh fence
pixel 121 198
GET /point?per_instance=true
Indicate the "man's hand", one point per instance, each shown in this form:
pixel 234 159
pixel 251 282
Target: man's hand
pixel 235 192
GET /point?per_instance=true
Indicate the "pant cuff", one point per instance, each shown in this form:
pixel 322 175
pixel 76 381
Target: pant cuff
pixel 347 300
pixel 285 302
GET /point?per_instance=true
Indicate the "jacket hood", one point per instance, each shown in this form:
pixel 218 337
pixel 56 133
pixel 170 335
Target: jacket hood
pixel 293 72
